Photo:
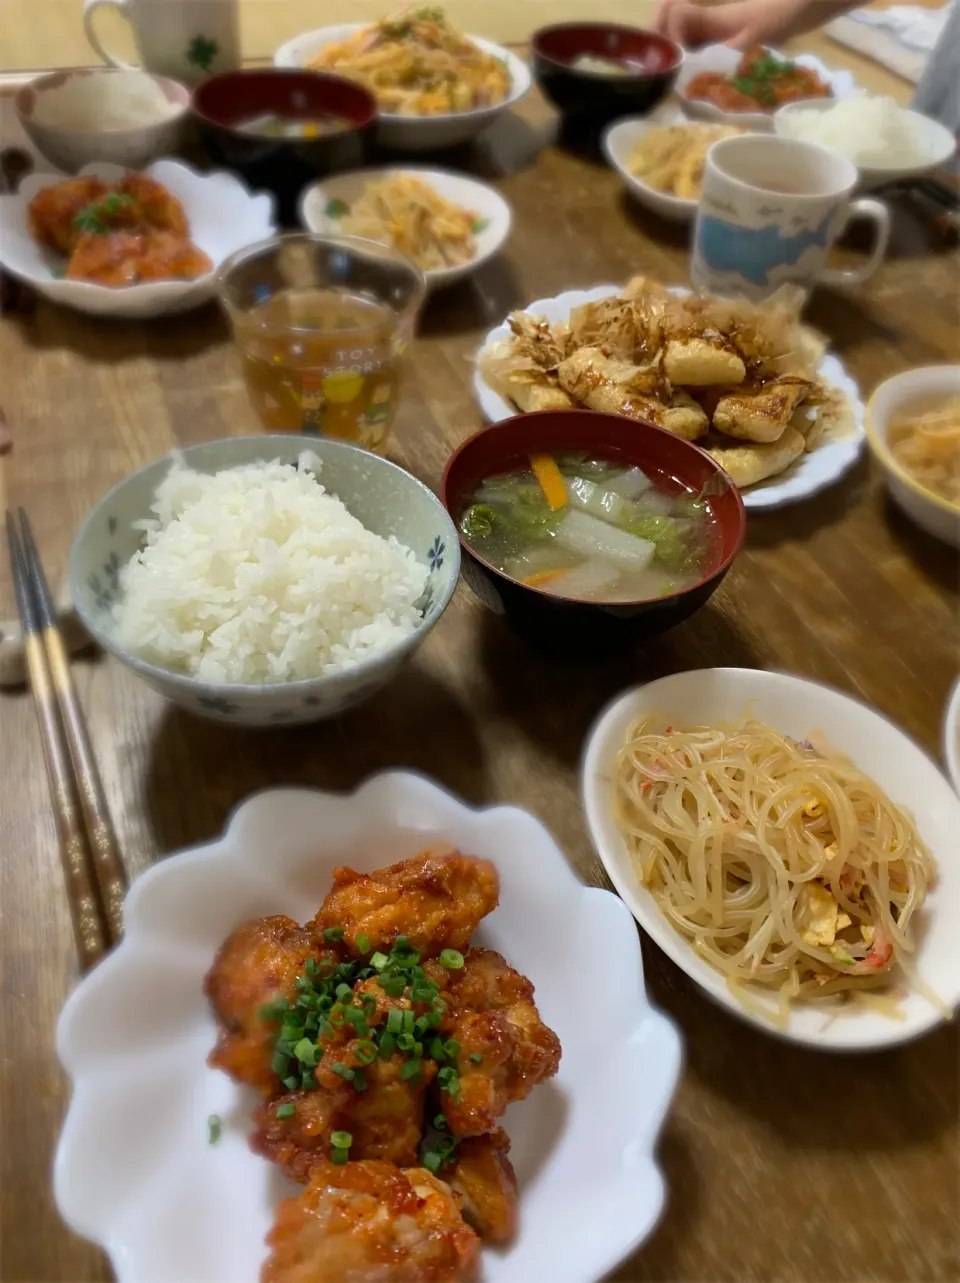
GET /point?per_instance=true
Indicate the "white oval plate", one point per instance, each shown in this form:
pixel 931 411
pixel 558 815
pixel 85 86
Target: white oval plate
pixel 224 216
pixel 134 1171
pixel 492 211
pixel 795 707
pixel 416 133
pixel 619 142
pixel 811 472
pixel 724 59
pixel 951 735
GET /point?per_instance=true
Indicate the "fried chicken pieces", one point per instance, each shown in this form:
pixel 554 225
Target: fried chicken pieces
pixel 386 1051
pixel 737 377
pixel 118 234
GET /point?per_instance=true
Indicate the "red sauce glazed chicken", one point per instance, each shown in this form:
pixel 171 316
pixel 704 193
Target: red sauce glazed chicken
pixel 385 1051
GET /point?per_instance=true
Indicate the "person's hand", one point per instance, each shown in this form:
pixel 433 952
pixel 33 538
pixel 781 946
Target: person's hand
pixel 741 23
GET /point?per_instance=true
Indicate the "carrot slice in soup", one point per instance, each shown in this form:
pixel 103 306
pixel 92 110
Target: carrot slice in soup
pixel 551 480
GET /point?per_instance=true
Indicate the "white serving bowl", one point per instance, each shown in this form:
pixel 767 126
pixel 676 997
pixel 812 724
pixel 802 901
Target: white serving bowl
pixel 134 1171
pixel 224 216
pixel 78 117
pixel 807 476
pixel 723 59
pixel 388 500
pixel 928 510
pixel 796 707
pixel 619 142
pixel 936 144
pixel 951 735
pixel 415 133
pixel 492 211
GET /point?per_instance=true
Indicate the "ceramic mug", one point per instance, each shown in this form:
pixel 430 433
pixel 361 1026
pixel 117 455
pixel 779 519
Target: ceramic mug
pixel 187 40
pixel 769 212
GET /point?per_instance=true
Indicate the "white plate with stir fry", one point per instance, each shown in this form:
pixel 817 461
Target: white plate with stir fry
pixel 450 225
pixel 155 1160
pixel 789 848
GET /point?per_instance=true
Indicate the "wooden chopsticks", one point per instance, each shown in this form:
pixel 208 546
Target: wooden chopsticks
pixel 94 872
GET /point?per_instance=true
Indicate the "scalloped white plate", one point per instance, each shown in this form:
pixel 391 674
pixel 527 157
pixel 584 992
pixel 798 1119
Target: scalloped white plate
pixel 724 59
pixel 811 472
pixel 797 707
pixel 224 216
pixel 134 1171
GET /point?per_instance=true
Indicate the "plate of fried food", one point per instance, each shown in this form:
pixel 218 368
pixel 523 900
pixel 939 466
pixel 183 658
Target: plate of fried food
pixel 748 382
pixel 449 224
pixel 116 242
pixel 661 162
pixel 340 1044
pixel 435 86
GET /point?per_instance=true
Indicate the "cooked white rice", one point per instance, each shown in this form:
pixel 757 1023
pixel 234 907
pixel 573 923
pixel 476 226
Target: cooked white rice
pixel 256 574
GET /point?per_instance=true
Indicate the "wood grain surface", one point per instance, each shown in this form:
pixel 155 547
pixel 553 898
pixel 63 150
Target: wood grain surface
pixel 782 1165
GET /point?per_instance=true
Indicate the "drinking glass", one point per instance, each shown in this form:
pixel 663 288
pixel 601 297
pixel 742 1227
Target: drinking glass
pixel 321 324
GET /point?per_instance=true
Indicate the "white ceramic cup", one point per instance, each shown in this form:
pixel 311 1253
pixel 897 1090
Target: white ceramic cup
pixel 770 210
pixel 187 40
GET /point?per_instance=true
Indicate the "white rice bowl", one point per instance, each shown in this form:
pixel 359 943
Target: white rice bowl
pixel 256 574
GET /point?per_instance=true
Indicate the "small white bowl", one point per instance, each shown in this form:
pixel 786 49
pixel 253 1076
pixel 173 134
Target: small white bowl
pixel 795 707
pixel 936 144
pixel 492 211
pixel 95 114
pixel 224 216
pixel 928 510
pixel 725 60
pixel 951 735
pixel 415 133
pixel 619 143
pixel 134 1172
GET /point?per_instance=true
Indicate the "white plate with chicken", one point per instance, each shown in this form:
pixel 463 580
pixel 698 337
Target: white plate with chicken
pixel 749 383
pixel 347 1032
pixel 114 242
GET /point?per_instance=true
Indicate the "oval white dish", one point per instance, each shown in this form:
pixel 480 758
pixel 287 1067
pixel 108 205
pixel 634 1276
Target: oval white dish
pixel 811 472
pixel 224 215
pixel 951 735
pixel 134 1171
pixel 725 60
pixel 416 133
pixel 619 142
pixel 796 707
pixel 492 211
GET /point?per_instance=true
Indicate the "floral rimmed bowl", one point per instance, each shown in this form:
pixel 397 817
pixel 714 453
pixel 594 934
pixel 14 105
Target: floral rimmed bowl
pixel 387 499
pixel 134 1170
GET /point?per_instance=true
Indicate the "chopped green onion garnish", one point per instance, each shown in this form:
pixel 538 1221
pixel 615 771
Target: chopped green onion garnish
pixel 406 1042
pixel 432 1161
pixel 395 1021
pixel 310 966
pixel 388 1043
pixel 344 993
pixel 365 1052
pixel 280 1064
pixel 436 1049
pixel 341 1140
pixel 286 1111
pixel 359 1080
pixel 339 1156
pixel 408 1020
pixel 440 1122
pixel 292 1083
pixel 452 959
pixel 308 1080
pixel 451 1047
pixel 333 933
pixel 362 942
pixel 306 1052
pixel 344 1071
pixel 402 942
pixel 476 1058
pixel 379 961
pixel 214 1128
pixel 411 1069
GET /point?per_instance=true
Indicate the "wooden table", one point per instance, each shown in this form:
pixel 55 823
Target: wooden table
pixel 780 1164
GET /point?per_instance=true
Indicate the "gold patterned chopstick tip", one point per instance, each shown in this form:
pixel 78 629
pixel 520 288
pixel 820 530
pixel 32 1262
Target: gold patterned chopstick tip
pixel 103 844
pixel 84 903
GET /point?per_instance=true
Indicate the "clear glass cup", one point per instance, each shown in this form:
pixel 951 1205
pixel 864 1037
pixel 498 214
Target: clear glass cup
pixel 322 323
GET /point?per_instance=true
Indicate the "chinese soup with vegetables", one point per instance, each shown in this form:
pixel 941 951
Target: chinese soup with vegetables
pixel 589 529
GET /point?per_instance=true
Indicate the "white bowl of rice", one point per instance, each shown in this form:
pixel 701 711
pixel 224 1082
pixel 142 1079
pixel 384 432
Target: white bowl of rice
pixel 888 143
pixel 268 580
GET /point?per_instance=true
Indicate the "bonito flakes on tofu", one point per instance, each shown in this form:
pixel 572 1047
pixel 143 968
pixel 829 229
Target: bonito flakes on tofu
pixel 737 377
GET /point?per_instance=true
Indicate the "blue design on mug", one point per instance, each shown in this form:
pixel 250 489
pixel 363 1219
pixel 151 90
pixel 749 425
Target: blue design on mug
pixel 754 253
